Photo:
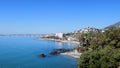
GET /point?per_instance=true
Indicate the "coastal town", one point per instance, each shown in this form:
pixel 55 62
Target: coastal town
pixel 82 38
pixel 74 37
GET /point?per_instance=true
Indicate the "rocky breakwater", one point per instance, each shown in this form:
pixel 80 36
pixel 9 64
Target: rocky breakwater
pixel 58 51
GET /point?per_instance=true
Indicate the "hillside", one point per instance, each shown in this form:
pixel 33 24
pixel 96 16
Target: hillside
pixel 102 50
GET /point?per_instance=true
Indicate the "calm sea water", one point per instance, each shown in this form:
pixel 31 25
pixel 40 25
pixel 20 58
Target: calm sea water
pixel 22 52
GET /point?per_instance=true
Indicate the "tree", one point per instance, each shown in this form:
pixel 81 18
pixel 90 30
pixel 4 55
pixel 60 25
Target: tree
pixel 105 51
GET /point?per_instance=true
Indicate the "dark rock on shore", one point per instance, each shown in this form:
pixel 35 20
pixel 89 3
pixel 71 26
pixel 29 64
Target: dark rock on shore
pixel 58 51
pixel 42 55
pixel 63 50
pixel 54 53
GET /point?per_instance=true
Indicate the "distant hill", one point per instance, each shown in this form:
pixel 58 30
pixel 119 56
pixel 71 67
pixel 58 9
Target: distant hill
pixel 115 25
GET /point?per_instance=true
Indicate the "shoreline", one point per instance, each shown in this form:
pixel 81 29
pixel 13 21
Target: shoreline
pixel 73 54
pixel 57 40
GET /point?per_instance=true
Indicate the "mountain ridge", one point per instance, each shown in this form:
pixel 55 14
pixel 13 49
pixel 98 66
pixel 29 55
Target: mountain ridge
pixel 113 25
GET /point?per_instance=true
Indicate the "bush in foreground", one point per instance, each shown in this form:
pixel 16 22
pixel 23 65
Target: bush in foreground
pixel 105 51
pixel 108 57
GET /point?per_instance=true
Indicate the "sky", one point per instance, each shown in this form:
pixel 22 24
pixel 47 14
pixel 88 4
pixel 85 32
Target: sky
pixel 53 16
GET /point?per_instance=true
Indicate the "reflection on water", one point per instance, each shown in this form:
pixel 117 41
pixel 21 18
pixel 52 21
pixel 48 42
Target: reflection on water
pixel 63 45
pixel 60 44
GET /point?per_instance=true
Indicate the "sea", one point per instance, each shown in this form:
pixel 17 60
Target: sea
pixel 23 52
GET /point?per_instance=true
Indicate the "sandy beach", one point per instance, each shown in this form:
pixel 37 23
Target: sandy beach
pixel 73 54
pixel 57 40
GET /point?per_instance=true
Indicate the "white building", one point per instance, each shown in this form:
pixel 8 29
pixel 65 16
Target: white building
pixel 59 35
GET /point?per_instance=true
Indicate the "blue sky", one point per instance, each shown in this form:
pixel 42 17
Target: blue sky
pixel 51 16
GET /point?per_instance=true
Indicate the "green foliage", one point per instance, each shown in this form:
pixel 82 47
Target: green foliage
pixel 81 49
pixel 109 37
pixel 108 57
pixel 105 51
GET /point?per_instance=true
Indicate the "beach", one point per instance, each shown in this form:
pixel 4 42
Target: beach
pixel 73 54
pixel 57 40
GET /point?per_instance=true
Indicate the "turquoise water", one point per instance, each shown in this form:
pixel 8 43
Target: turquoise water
pixel 22 52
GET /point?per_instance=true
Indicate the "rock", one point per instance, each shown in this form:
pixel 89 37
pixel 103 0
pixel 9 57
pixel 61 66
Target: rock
pixel 42 55
pixel 58 51
pixel 63 50
pixel 54 53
